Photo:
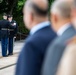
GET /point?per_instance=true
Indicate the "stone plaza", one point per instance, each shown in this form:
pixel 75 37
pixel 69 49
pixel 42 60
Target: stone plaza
pixel 8 64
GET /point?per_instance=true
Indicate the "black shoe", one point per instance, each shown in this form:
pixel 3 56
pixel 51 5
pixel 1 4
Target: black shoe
pixel 5 56
pixel 10 54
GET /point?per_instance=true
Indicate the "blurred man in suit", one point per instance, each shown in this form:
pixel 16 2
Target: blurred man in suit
pixel 67 65
pixel 12 34
pixel 36 20
pixel 61 23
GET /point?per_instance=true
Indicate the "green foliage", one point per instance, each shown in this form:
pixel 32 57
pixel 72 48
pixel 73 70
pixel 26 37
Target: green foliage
pixel 51 2
pixel 18 13
pixel 0 16
pixel 21 26
pixel 20 5
pixel 3 6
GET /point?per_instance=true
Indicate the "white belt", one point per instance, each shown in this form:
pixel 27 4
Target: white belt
pixel 7 29
pixel 4 29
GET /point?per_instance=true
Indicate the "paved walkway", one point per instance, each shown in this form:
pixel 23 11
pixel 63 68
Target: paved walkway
pixel 17 46
pixel 7 64
pixel 8 71
pixel 8 61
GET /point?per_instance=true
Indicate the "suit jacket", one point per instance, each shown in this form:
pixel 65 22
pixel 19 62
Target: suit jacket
pixel 31 57
pixel 67 65
pixel 55 52
pixel 6 25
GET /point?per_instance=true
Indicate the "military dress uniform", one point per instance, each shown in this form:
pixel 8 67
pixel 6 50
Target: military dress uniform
pixel 13 32
pixel 4 33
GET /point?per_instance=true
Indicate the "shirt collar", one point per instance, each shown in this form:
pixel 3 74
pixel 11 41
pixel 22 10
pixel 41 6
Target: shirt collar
pixel 39 26
pixel 63 29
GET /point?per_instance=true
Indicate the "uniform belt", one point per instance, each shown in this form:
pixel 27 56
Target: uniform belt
pixel 4 29
pixel 7 29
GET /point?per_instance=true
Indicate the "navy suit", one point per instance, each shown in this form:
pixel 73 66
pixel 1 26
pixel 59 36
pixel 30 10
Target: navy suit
pixel 31 57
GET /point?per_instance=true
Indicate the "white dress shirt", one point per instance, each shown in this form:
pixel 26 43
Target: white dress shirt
pixel 63 29
pixel 39 26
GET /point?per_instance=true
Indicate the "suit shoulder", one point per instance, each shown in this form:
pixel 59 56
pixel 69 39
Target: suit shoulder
pixel 46 31
pixel 44 34
pixel 34 40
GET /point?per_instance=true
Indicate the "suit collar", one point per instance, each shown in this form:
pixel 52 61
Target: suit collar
pixel 70 30
pixel 63 29
pixel 39 26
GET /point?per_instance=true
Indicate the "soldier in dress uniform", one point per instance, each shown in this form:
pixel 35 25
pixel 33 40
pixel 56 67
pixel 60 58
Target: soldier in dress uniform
pixel 4 33
pixel 12 34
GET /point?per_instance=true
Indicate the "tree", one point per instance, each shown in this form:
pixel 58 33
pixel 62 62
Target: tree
pixel 11 5
pixel 50 1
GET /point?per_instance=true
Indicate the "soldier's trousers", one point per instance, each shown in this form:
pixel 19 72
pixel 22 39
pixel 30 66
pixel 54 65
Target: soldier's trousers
pixel 10 46
pixel 4 44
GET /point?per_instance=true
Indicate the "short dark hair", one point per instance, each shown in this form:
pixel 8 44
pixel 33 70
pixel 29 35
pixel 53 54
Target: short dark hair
pixel 9 16
pixel 4 14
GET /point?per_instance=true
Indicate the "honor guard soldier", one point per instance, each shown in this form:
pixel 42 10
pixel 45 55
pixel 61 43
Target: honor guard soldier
pixel 4 33
pixel 12 34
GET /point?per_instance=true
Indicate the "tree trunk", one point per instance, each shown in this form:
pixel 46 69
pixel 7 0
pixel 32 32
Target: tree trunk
pixel 11 5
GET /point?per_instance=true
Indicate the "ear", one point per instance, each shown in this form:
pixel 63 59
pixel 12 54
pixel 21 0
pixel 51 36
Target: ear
pixel 73 13
pixel 55 18
pixel 31 16
pixel 49 16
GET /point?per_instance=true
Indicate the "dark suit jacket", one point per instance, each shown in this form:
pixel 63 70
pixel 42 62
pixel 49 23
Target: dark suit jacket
pixel 32 55
pixel 55 51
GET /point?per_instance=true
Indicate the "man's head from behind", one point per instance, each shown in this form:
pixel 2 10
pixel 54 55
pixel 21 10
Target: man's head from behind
pixel 35 11
pixel 60 13
pixel 5 16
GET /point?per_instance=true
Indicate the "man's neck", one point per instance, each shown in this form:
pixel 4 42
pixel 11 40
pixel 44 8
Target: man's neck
pixel 63 28
pixel 39 26
pixel 62 23
pixel 36 23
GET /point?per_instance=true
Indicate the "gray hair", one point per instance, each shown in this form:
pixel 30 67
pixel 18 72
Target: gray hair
pixel 62 8
pixel 74 4
pixel 27 6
